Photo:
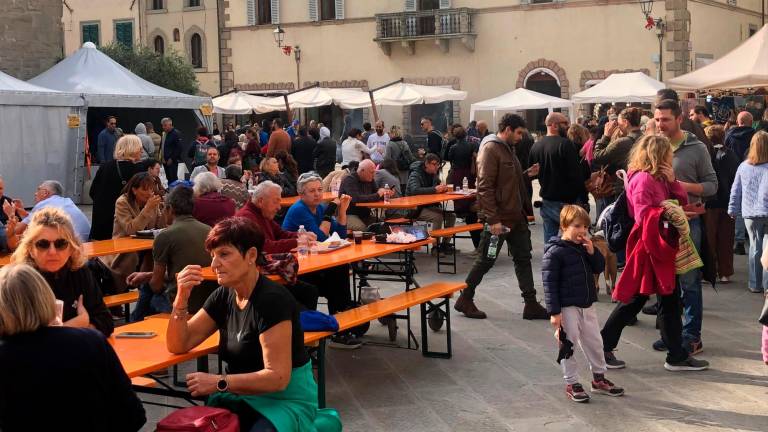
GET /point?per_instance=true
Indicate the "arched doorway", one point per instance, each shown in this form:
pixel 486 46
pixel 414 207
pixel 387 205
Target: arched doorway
pixel 544 81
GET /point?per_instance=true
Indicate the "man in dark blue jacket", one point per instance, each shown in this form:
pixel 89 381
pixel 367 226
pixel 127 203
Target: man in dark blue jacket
pixel 738 138
pixel 171 149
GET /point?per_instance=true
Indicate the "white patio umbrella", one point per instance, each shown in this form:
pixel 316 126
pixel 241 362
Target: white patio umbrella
pixel 239 103
pixel 743 68
pixel 621 87
pixel 519 100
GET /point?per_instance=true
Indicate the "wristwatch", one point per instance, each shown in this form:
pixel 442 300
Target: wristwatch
pixel 222 385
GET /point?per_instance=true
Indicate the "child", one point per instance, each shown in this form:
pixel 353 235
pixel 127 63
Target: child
pixel 568 269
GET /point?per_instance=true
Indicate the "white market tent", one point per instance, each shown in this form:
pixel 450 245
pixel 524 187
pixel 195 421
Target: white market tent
pixel 743 68
pixel 239 103
pixel 401 94
pixel 105 83
pixel 40 144
pixel 519 100
pixel 629 87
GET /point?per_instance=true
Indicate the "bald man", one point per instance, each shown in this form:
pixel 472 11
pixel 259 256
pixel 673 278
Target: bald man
pixel 482 129
pixel 738 139
pixel 560 174
pixel 360 186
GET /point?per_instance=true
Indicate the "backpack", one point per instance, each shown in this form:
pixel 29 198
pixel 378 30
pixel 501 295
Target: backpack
pixel 616 223
pixel 405 158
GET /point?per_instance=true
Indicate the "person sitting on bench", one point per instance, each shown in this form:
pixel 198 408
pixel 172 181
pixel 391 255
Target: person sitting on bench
pixel 424 179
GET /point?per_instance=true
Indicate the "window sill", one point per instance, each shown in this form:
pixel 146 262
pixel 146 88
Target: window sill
pixel 200 69
pixel 193 8
pixel 157 11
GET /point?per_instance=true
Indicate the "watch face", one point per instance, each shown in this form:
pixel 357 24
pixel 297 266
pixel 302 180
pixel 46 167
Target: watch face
pixel 221 385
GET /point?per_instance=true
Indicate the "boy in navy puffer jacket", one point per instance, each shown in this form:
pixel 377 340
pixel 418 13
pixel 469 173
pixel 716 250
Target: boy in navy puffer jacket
pixel 568 269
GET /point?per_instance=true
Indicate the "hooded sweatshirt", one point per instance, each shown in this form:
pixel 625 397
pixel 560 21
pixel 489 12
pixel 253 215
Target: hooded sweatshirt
pixel 738 139
pixel 147 145
pixel 325 153
pixel 692 164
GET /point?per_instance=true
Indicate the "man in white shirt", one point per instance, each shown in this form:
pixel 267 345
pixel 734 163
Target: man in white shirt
pixel 50 194
pixel 211 165
pixel 352 149
pixel 377 142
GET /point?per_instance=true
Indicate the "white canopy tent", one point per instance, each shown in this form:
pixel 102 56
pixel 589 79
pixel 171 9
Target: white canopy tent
pixel 41 145
pixel 105 83
pixel 401 94
pixel 239 103
pixel 743 68
pixel 621 87
pixel 519 100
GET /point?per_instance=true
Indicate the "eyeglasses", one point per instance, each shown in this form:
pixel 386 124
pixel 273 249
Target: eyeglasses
pixel 59 244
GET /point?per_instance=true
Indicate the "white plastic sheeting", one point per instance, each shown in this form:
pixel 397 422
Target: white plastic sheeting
pixel 621 87
pixel 519 100
pixel 104 83
pixel 743 68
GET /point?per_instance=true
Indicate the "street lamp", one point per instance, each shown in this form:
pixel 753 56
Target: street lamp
pixel 279 35
pixel 646 6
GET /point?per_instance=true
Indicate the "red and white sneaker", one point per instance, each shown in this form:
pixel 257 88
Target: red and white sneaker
pixel 605 387
pixel 576 393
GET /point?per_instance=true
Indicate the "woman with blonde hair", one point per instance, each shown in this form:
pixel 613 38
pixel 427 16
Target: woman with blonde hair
pixel 65 368
pixel 749 198
pixel 108 183
pixel 51 246
pixel 651 181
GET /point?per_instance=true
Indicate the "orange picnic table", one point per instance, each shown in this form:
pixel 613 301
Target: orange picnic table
pixel 347 255
pixel 289 201
pixel 106 247
pixel 415 201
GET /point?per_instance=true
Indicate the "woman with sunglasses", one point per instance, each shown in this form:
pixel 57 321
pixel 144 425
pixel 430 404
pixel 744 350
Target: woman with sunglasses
pixel 52 248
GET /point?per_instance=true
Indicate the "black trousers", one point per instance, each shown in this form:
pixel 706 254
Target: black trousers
pixel 670 324
pixel 333 284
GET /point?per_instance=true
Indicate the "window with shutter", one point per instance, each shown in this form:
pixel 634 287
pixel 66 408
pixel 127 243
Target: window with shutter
pixel 445 4
pixel 410 5
pixel 275 6
pixel 339 9
pixel 158 4
pixel 90 32
pixel 264 13
pixel 196 50
pixel 313 15
pixel 193 3
pixel 429 4
pixel 124 33
pixel 159 45
pixel 250 12
pixel 327 10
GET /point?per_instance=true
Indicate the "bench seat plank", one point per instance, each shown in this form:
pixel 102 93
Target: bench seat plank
pixel 448 232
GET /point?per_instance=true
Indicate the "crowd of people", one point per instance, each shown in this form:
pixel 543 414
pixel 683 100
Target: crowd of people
pixel 695 192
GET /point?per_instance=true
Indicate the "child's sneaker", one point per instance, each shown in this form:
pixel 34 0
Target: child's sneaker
pixel 576 393
pixel 601 385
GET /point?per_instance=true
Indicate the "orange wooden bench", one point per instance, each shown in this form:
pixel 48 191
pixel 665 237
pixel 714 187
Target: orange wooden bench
pixel 451 232
pixel 125 299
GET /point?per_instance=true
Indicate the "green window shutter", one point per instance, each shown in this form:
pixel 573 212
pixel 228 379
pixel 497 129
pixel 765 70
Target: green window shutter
pixel 124 34
pixel 90 33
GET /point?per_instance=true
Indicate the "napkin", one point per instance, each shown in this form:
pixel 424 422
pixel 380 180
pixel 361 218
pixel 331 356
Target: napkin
pixel 334 237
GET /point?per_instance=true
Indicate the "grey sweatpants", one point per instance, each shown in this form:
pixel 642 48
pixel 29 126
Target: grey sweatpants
pixel 581 327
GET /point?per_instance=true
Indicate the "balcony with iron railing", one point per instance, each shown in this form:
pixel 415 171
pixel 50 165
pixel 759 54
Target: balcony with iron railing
pixel 440 25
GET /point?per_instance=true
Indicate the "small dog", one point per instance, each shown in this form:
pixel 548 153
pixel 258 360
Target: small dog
pixel 598 240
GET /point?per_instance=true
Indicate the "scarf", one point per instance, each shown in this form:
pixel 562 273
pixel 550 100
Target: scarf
pixel 687 257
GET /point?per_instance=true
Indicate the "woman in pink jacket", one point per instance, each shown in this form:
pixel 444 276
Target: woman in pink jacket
pixel 651 181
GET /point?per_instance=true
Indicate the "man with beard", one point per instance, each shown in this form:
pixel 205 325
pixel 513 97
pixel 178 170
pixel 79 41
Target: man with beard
pixel 500 192
pixel 560 174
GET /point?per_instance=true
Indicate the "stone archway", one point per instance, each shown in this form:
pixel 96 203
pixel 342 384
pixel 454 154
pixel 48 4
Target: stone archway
pixel 549 67
pixel 542 76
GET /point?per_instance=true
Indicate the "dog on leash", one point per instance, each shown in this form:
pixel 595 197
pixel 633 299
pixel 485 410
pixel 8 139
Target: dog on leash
pixel 601 244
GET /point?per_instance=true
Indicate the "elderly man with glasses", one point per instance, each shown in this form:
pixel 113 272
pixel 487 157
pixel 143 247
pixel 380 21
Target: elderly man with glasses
pixel 424 179
pixel 50 193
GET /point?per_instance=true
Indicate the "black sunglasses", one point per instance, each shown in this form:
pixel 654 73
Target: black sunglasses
pixel 59 244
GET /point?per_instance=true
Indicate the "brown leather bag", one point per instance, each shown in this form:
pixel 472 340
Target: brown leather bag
pixel 600 184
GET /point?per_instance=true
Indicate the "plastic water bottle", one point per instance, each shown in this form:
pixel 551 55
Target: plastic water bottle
pixel 493 246
pixel 465 184
pixel 335 186
pixel 386 196
pixel 303 244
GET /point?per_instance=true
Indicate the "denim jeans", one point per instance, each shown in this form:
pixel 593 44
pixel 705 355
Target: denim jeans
pixel 550 214
pixel 740 235
pixel 150 303
pixel 690 289
pixel 757 228
pixel 519 245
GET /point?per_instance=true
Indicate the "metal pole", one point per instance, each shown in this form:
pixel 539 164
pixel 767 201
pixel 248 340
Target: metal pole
pixel 661 59
pixel 297 57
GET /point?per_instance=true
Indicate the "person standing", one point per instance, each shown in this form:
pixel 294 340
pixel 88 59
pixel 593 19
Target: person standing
pixel 324 153
pixel 303 149
pixel 434 138
pixel 377 142
pixel 147 146
pixel 198 151
pixel 171 145
pixel 560 172
pixel 500 192
pixel 700 115
pixel 156 140
pixel 399 151
pixel 105 143
pixel 278 139
pixel 738 139
pixel 352 149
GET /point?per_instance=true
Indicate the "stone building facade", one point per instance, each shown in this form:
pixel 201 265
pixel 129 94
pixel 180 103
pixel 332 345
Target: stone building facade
pixel 31 39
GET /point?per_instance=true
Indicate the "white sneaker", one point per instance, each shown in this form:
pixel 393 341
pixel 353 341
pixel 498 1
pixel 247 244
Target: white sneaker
pixel 724 279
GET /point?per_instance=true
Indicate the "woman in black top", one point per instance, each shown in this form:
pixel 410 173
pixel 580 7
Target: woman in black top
pixel 108 183
pixel 52 248
pixel 268 380
pixel 53 377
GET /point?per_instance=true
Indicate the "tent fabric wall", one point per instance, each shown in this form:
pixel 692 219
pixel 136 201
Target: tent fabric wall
pixel 39 146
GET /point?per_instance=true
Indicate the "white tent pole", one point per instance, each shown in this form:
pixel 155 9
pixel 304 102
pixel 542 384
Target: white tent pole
pixel 495 122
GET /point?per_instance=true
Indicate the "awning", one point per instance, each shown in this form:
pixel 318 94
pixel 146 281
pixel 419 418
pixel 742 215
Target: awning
pixel 621 87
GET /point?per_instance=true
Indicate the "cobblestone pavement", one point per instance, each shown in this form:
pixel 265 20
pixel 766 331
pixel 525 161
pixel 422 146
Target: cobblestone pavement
pixel 503 375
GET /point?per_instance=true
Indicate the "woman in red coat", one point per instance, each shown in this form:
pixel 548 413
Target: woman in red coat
pixel 651 181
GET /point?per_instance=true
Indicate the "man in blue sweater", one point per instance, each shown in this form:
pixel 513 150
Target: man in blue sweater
pixel 106 141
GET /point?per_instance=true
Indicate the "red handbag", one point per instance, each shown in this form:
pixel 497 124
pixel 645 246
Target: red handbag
pixel 199 419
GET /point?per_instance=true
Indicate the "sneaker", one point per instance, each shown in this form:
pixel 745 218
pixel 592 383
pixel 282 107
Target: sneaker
pixel 659 345
pixel 652 309
pixel 738 249
pixel 689 364
pixel 611 362
pixel 534 310
pixel 345 342
pixel 755 290
pixel 725 280
pixel 467 306
pixel 605 387
pixel 694 347
pixel 576 393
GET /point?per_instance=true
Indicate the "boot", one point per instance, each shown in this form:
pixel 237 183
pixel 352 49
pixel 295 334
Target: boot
pixel 534 310
pixel 467 306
